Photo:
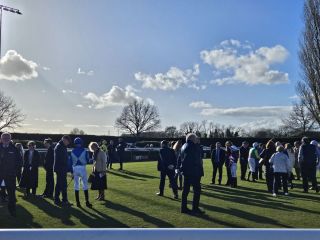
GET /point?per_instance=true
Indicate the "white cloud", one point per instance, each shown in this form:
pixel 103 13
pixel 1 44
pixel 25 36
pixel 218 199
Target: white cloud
pixel 200 104
pixel 46 68
pixel 261 124
pixel 117 96
pixel 14 67
pixel 263 111
pixel 66 91
pixel 48 120
pixel 294 97
pixel 79 105
pixel 238 63
pixel 82 72
pixel 171 80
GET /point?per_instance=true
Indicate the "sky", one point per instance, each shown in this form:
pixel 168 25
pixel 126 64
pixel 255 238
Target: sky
pixel 76 63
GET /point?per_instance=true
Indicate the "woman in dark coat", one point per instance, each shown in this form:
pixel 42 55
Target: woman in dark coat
pixel 29 178
pixel 266 155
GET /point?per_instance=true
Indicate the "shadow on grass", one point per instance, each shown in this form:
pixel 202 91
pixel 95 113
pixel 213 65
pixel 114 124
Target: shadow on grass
pixel 261 200
pixel 138 174
pixel 65 214
pixel 24 218
pixel 119 174
pixel 147 218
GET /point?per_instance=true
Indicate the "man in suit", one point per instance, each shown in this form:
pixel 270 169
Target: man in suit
pixel 48 166
pixel 308 159
pixel 61 169
pixel 243 156
pixel 217 159
pixel 121 152
pixel 166 166
pixel 192 169
pixel 9 160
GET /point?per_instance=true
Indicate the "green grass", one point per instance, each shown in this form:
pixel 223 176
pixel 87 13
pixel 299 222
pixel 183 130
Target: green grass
pixel 131 202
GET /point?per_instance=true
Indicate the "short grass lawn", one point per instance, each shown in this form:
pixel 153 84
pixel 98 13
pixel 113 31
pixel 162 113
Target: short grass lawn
pixel 131 201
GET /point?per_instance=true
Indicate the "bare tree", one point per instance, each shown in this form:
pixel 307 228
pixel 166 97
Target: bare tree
pixel 10 116
pixel 299 121
pixel 309 88
pixel 77 131
pixel 171 131
pixel 188 127
pixel 138 117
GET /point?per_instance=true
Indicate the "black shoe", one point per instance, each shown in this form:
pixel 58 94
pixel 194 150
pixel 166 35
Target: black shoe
pixel 213 183
pixel 78 205
pixel 198 211
pixel 89 205
pixel 186 211
pixel 219 183
pixel 176 196
pixel 57 202
pixel 160 194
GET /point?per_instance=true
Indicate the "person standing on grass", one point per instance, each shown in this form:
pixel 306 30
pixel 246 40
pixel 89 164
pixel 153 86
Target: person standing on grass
pixel 192 169
pixel 79 158
pixel 296 163
pixel 20 162
pixel 111 154
pixel 253 159
pixel 166 166
pixel 30 173
pixel 178 176
pixel 48 166
pixel 243 156
pixel 9 159
pixel 61 169
pixel 233 160
pixel 281 168
pixel 265 156
pixel 217 159
pixel 228 145
pixel 308 159
pixel 99 170
pixel 121 152
pixel 290 153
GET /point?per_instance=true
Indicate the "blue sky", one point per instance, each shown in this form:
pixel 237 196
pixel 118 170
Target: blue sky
pixel 231 62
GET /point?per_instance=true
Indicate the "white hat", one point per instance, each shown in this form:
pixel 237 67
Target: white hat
pixel 255 144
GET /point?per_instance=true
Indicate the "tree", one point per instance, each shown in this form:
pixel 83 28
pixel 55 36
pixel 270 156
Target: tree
pixel 77 131
pixel 10 116
pixel 309 87
pixel 299 121
pixel 171 131
pixel 138 117
pixel 188 127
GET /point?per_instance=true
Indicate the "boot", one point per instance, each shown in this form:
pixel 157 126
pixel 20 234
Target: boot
pixel 248 179
pixel 86 195
pixel 102 196
pixel 235 182
pixel 99 196
pixel 77 198
pixel 232 185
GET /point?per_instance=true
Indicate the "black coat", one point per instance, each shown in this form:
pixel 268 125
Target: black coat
pixel 167 157
pixel 60 158
pixel 29 178
pixel 244 154
pixel 9 161
pixel 222 155
pixel 49 159
pixel 309 154
pixel 191 162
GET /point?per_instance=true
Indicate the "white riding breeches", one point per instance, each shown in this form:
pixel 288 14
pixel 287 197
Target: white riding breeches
pixel 252 165
pixel 80 174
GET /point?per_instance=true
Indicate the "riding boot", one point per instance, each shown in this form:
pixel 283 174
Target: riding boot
pixel 77 198
pixel 86 195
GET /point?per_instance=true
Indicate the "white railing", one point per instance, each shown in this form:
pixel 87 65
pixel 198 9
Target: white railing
pixel 160 234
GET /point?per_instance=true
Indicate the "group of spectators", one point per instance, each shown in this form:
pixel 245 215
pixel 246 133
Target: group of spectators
pixel 17 165
pixel 275 159
pixel 181 163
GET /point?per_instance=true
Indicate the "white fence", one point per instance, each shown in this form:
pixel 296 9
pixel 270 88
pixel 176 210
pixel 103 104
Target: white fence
pixel 160 234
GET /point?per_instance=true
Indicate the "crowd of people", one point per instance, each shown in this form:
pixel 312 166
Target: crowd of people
pixel 22 167
pixel 278 163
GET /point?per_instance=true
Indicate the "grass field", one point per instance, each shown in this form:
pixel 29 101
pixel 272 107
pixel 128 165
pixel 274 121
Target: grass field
pixel 131 202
